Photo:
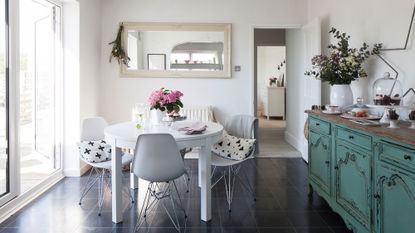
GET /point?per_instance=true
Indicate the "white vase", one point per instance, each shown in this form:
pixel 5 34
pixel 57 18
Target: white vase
pixel 341 95
pixel 156 116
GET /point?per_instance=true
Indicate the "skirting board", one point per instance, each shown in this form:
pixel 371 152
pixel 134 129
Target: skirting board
pixel 292 140
pixel 76 172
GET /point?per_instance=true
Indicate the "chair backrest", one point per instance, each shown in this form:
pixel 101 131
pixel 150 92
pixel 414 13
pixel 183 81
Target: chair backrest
pixel 241 126
pixel 157 158
pixel 93 129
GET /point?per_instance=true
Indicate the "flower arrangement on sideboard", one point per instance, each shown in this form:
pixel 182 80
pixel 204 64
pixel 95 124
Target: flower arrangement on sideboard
pixel 343 64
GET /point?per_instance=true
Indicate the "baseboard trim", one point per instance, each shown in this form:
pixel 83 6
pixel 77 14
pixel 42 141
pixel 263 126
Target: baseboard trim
pixel 292 140
pixel 21 201
pixel 72 172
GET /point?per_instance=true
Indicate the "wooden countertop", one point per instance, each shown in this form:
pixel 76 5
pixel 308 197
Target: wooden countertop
pixel 402 134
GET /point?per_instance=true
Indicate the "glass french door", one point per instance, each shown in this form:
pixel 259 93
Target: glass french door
pixel 36 155
pixel 39 91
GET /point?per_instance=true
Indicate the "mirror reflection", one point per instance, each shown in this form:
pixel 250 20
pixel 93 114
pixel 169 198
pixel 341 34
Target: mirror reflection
pixel 178 49
pixel 175 50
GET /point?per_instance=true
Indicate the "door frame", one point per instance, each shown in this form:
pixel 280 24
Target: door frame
pixel 252 27
pixel 12 85
pixel 253 80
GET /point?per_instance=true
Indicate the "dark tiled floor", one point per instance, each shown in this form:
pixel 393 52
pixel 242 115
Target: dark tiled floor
pixel 282 206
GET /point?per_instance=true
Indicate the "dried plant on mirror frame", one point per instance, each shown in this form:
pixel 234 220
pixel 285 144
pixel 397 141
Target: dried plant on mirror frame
pixel 117 49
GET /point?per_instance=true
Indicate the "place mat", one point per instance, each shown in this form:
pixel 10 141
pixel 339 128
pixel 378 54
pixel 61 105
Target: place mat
pixel 192 128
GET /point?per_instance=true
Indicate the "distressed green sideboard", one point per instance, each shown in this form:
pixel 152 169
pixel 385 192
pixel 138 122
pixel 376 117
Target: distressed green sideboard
pixel 365 173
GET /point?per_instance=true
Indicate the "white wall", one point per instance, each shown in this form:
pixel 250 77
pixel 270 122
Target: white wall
pixel 268 59
pixel 370 21
pixel 90 55
pixel 228 96
pixel 82 54
pixel 71 109
pixel 295 86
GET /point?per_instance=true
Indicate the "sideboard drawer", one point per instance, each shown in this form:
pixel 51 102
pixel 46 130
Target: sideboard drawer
pixel 355 138
pixel 397 154
pixel 319 125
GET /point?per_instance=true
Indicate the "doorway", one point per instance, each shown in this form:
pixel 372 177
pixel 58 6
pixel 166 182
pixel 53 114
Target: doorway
pixel 270 92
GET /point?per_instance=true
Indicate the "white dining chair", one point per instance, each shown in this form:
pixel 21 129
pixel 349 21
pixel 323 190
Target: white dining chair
pixel 241 126
pixel 93 130
pixel 157 160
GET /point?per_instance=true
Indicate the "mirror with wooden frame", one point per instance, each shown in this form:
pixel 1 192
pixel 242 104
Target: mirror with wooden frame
pixel 201 50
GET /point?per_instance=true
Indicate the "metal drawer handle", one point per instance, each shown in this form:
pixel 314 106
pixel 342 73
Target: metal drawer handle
pixel 327 162
pixel 351 137
pixel 407 157
pixel 317 124
pixel 336 167
pixel 376 196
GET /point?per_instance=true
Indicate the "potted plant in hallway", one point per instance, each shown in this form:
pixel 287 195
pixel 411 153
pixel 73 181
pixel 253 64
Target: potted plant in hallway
pixel 341 66
pixel 164 100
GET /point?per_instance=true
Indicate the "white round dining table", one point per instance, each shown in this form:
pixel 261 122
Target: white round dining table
pixel 124 135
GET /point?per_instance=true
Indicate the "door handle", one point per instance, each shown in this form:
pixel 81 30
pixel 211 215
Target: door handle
pixel 351 137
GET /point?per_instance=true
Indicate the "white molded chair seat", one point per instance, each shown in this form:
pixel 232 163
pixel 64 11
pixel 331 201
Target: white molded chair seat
pixel 220 161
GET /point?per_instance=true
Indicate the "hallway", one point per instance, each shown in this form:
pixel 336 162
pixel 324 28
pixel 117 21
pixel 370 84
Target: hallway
pixel 271 140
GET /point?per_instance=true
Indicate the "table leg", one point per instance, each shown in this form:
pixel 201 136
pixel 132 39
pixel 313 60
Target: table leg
pixel 116 183
pixel 206 194
pixel 133 178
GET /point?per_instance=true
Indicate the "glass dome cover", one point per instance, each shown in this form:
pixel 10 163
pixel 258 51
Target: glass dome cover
pixel 387 91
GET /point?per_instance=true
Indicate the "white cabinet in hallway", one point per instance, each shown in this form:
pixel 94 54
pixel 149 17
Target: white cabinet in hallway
pixel 274 103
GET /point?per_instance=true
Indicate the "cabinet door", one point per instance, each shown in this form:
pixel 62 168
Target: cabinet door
pixel 395 201
pixel 319 160
pixel 353 186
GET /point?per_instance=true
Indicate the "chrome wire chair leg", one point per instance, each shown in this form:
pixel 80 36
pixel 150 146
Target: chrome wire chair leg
pixel 143 209
pixel 188 171
pixel 89 184
pixel 155 193
pixel 245 182
pixel 215 181
pixel 170 196
pixel 101 191
pixel 186 178
pixel 229 186
pixel 180 200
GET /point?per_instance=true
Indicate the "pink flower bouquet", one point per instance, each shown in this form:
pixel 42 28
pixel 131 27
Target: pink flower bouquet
pixel 164 99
